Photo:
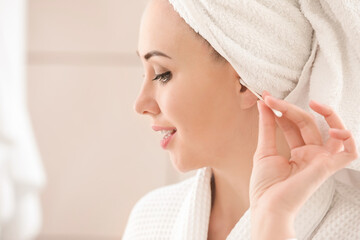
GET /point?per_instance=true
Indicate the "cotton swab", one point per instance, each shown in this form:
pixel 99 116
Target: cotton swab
pixel 276 112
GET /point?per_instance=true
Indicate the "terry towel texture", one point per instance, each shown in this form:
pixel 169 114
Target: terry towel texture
pixel 298 50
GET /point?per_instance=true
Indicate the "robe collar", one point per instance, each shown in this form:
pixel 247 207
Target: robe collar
pixel 194 215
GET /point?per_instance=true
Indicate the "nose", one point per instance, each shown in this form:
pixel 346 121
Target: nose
pixel 146 103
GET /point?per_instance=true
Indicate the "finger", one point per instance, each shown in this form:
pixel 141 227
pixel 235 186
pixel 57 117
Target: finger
pixel 337 140
pixel 333 145
pixel 339 133
pixel 265 93
pixel 302 119
pixel 266 138
pixel 330 116
pixel 291 132
pixel 350 152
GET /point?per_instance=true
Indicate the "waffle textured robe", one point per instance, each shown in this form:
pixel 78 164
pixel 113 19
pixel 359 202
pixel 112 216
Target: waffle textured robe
pixel 182 211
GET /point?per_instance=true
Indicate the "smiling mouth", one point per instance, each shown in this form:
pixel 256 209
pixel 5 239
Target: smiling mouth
pixel 168 133
pixel 167 138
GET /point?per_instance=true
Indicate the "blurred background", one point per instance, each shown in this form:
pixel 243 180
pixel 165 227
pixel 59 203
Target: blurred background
pixel 83 156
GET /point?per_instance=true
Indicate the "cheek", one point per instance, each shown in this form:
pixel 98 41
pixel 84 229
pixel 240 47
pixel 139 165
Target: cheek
pixel 200 110
pixel 187 106
pixel 204 112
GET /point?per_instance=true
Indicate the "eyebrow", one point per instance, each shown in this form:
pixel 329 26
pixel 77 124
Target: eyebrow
pixel 153 54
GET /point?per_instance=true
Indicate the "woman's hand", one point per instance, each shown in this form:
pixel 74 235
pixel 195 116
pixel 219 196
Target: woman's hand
pixel 280 186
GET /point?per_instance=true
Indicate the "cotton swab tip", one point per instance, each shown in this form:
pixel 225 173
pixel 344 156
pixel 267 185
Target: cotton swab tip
pixel 277 113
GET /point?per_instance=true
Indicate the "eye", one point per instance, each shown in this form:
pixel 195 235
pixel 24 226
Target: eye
pixel 163 77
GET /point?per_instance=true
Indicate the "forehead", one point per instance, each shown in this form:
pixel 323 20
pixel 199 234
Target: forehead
pixel 162 28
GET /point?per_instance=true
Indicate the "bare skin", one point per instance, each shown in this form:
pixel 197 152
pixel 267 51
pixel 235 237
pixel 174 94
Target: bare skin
pixel 279 186
pixel 217 123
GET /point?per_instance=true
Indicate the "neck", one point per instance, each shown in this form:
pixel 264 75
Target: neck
pixel 230 185
pixel 230 192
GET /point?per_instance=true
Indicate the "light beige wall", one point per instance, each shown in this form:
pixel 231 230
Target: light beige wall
pixel 100 157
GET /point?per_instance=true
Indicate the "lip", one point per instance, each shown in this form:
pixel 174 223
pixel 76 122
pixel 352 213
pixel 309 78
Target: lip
pixel 165 142
pixel 158 128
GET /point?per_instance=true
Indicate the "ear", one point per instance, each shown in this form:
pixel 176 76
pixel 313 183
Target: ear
pixel 246 97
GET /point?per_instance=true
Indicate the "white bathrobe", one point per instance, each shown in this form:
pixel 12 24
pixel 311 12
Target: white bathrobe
pixel 182 211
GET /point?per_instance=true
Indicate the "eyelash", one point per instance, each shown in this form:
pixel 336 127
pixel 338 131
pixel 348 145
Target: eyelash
pixel 163 77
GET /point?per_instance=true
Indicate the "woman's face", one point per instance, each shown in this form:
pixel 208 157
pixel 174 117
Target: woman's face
pixel 197 95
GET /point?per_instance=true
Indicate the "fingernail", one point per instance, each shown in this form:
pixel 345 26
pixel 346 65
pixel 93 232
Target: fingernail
pixel 266 93
pixel 317 102
pixel 321 104
pixel 338 130
pixel 273 98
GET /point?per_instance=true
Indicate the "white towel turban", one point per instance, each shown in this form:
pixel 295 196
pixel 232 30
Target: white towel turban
pixel 297 50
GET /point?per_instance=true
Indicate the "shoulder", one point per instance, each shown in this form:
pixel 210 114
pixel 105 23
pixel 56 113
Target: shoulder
pixel 342 220
pixel 157 209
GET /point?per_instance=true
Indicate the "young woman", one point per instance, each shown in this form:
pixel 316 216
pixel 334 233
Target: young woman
pixel 259 175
